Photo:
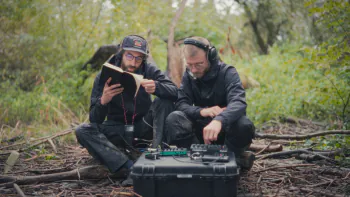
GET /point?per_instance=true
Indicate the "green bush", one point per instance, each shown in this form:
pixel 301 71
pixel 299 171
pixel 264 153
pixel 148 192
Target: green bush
pixel 290 86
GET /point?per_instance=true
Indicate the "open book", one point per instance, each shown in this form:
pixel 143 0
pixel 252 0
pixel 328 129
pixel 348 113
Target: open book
pixel 130 81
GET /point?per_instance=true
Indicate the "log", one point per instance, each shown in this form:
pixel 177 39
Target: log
pixel 271 148
pixel 88 172
pixel 301 137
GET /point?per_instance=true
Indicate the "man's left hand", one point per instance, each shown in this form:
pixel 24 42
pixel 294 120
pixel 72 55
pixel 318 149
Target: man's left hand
pixel 211 131
pixel 149 85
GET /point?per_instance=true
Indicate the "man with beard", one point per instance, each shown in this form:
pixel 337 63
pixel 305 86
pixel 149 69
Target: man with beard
pixel 105 139
pixel 211 106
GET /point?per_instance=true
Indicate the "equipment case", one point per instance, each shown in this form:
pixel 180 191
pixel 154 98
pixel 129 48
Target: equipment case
pixel 174 176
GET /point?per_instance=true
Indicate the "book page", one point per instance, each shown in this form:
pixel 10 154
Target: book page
pixel 138 79
pixel 113 67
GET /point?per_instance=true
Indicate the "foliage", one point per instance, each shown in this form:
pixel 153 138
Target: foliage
pixel 289 87
pixel 331 58
pixel 43 45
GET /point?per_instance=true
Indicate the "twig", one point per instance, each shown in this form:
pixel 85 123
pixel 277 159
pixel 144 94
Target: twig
pixel 38 156
pixel 53 145
pixel 290 166
pixel 302 137
pixel 320 192
pixel 88 192
pixel 19 191
pixel 346 176
pixel 294 152
pixel 59 194
pixel 64 132
pixel 262 150
pixel 136 194
pixel 123 193
pixel 319 184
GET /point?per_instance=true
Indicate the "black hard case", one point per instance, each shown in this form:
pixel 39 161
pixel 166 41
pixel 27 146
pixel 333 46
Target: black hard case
pixel 174 176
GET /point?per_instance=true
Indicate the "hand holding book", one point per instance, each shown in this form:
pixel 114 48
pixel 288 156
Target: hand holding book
pixel 109 91
pixel 129 81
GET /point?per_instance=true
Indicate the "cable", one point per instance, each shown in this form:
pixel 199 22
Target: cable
pixel 198 162
pixel 143 118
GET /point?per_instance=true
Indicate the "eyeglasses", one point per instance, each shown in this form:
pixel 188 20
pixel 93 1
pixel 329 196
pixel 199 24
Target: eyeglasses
pixel 130 57
pixel 196 65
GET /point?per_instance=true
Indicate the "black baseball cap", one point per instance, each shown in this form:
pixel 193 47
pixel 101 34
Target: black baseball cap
pixel 135 43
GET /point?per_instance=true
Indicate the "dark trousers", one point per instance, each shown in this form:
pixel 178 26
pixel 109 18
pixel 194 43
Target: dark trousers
pixel 105 141
pixel 182 132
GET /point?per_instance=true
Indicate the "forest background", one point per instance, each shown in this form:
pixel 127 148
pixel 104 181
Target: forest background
pixel 297 50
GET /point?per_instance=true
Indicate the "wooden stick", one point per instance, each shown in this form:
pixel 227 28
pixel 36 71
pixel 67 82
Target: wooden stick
pixel 64 132
pixel 299 151
pixel 43 140
pixel 320 192
pixel 59 194
pixel 88 172
pixel 302 137
pixel 262 150
pixel 123 193
pixel 19 191
pixel 290 166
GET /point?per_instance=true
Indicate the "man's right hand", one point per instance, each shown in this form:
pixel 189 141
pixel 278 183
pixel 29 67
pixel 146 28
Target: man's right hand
pixel 212 111
pixel 110 91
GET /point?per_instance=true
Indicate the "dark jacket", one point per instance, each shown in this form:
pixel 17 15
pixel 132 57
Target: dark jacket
pixel 165 89
pixel 220 86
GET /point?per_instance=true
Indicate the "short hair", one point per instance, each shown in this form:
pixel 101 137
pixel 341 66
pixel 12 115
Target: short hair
pixel 191 50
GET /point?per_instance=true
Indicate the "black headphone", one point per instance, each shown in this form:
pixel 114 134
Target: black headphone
pixel 147 49
pixel 212 54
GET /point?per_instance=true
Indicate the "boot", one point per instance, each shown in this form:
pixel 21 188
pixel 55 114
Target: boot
pixel 128 182
pixel 246 160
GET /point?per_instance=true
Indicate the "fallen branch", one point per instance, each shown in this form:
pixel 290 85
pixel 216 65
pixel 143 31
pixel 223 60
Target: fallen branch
pixel 42 140
pixel 301 137
pixel 312 157
pixel 89 172
pixel 19 191
pixel 328 171
pixel 320 192
pixel 48 171
pixel 278 167
pixel 266 148
pixel 299 151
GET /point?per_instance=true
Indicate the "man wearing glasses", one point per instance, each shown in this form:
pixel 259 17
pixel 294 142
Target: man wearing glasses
pixel 139 116
pixel 211 106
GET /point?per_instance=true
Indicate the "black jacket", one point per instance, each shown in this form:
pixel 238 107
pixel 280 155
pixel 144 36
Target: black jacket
pixel 220 86
pixel 165 89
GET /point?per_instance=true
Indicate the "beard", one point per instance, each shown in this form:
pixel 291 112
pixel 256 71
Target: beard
pixel 129 68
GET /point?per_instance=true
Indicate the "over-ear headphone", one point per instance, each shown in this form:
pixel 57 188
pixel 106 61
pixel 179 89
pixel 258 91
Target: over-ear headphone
pixel 147 49
pixel 212 54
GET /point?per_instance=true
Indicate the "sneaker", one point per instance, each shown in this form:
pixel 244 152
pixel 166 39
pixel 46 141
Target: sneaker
pixel 246 160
